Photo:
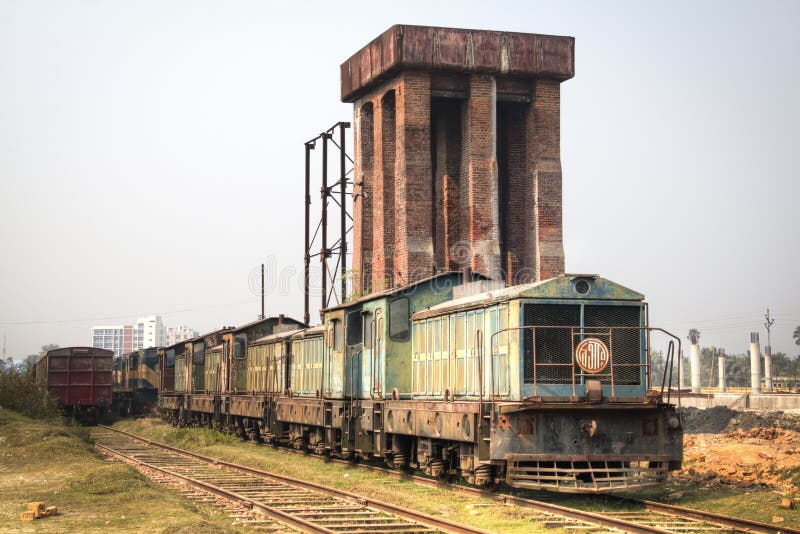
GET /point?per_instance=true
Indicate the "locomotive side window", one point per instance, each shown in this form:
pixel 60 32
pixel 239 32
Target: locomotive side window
pixel 368 329
pixel 399 319
pixel 199 353
pixel 238 349
pixel 337 335
pixel 171 358
pixel 133 361
pixel 354 330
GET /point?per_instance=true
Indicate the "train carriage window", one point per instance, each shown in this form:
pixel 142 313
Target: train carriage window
pixel 354 328
pixel 368 329
pixel 133 361
pixel 337 335
pixel 238 350
pixel 171 358
pixel 399 319
pixel 199 353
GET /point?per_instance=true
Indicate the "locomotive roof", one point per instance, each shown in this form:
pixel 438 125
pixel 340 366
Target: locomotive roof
pixel 560 287
pixel 202 337
pixel 399 289
pixel 314 330
pixel 275 337
pixel 276 319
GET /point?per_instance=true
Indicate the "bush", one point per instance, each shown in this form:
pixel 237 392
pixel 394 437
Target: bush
pixel 20 392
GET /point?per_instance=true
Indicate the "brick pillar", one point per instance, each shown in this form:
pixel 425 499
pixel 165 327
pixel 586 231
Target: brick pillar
pixel 383 193
pixel 446 114
pixel 364 147
pixel 479 201
pixel 516 194
pixel 413 251
pixel 544 172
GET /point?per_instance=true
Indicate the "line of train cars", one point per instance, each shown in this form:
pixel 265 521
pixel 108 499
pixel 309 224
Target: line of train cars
pixel 544 385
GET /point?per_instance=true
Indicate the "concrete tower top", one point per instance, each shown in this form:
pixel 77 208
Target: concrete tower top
pixel 460 50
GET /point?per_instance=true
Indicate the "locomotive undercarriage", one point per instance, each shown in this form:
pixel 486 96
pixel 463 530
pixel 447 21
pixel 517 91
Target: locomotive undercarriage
pixel 566 447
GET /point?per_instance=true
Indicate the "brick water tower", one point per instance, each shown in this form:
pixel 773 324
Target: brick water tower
pixel 457 156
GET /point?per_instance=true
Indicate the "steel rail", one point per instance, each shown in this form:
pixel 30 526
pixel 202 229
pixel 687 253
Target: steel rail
pixel 419 517
pixel 590 517
pixel 711 517
pixel 278 515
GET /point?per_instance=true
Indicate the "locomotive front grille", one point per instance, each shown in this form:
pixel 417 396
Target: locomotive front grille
pixel 592 474
pixel 554 330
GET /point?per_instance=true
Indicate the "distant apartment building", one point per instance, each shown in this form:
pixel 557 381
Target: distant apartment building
pixel 122 339
pixel 179 333
pixel 118 338
pixel 149 332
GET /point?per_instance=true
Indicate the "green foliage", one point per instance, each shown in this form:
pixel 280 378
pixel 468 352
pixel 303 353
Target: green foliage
pixel 20 392
pixel 796 336
pixel 694 335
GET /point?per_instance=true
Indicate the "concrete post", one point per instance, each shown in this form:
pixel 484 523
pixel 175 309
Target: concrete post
pixel 755 364
pixel 768 368
pixel 721 360
pixel 694 357
pixel 681 371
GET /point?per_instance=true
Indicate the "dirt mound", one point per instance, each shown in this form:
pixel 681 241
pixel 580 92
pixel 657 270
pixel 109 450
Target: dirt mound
pixel 722 419
pixel 765 457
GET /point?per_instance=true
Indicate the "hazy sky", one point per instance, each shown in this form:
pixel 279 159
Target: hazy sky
pixel 151 155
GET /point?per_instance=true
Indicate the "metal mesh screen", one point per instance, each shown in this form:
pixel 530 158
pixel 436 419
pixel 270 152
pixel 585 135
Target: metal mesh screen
pixel 553 345
pixel 625 344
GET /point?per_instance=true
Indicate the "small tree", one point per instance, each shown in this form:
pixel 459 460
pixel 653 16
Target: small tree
pixel 694 335
pixel 796 336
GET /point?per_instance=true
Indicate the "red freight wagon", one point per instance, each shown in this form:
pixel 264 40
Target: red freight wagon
pixel 80 377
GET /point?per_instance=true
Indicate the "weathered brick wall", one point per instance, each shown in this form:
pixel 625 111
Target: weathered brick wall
pixel 544 173
pixel 479 195
pixel 447 176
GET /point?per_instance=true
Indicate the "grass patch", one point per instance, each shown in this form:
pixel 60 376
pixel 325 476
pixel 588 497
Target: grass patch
pixel 43 460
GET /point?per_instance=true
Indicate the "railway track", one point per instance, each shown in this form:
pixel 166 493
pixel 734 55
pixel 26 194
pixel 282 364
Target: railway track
pixel 251 492
pixel 336 513
pixel 648 516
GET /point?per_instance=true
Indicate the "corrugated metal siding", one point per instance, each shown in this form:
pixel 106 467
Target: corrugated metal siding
pixel 181 373
pixel 212 370
pixel 306 367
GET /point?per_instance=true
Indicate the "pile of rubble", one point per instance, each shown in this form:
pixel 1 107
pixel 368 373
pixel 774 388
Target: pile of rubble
pixel 723 419
pixel 760 457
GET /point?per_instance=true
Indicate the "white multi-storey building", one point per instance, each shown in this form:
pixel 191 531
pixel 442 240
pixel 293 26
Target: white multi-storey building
pixel 149 332
pixel 180 333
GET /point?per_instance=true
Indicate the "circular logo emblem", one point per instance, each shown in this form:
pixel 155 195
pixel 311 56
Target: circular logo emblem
pixel 591 355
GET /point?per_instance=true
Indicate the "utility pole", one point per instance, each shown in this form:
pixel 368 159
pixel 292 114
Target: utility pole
pixel 263 315
pixel 768 353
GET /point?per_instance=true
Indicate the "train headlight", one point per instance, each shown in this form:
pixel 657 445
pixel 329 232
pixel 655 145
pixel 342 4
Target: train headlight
pixel 590 427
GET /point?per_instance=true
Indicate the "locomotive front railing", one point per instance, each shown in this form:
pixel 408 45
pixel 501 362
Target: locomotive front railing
pixel 610 363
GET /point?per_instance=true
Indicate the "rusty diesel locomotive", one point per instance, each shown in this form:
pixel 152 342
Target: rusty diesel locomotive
pixel 546 385
pixel 136 381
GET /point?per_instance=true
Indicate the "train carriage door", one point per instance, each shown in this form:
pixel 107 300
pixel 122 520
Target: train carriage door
pixel 474 338
pixel 377 355
pixel 417 366
pixel 354 348
pixel 444 351
pixel 367 348
pixel 459 354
